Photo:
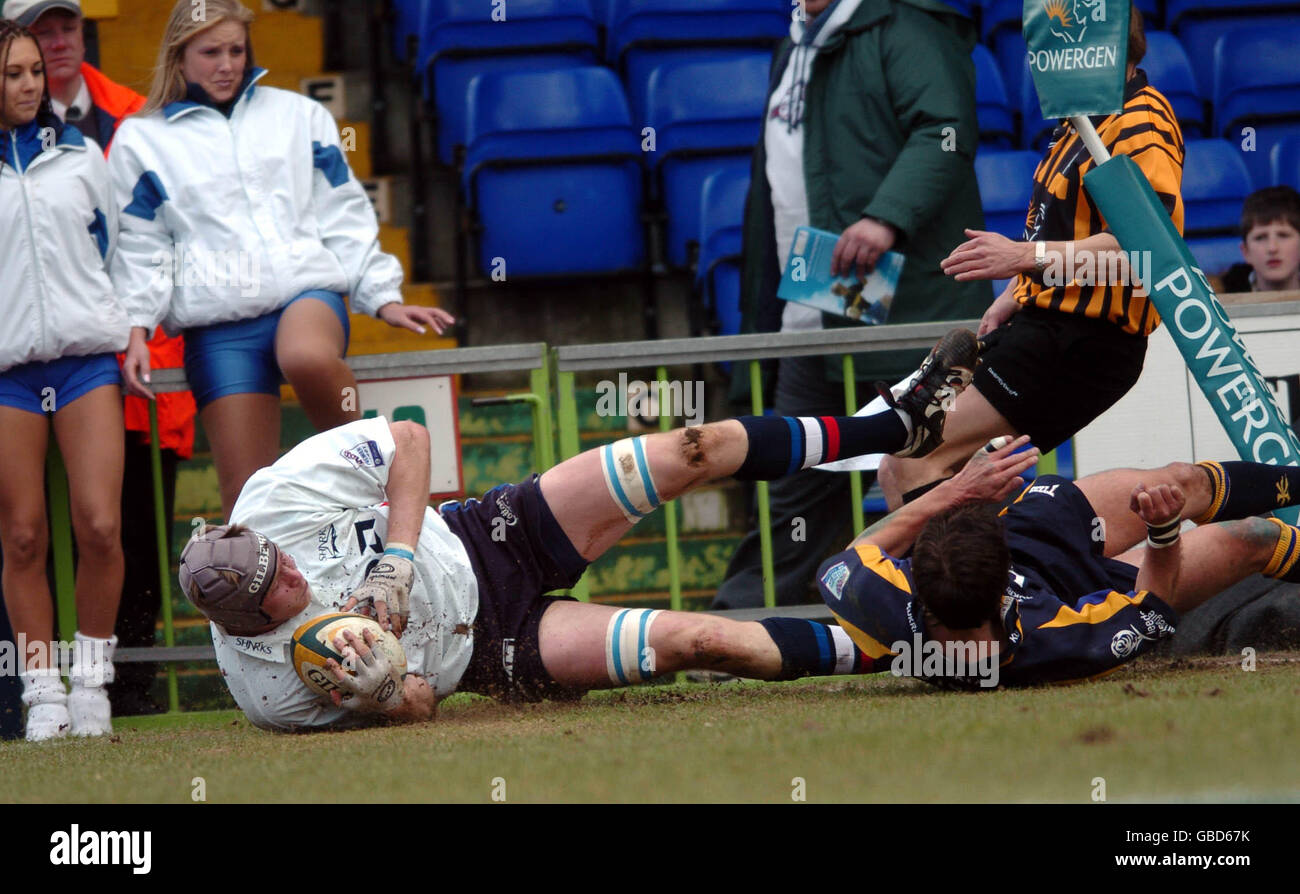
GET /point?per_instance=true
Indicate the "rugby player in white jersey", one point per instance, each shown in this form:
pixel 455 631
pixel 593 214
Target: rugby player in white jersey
pixel 342 522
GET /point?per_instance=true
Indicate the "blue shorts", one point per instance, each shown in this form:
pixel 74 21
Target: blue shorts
pixel 513 573
pixel 23 387
pixel 239 357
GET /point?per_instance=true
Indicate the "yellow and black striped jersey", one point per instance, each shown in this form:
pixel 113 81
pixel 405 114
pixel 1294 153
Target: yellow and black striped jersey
pixel 1147 131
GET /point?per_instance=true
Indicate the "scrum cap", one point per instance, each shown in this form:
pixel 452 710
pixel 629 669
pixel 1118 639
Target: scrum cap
pixel 226 573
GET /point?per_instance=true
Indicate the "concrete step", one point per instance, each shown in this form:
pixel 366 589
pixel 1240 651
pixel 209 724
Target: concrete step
pixel 391 195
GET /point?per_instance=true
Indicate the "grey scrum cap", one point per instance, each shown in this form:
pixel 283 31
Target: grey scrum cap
pixel 227 574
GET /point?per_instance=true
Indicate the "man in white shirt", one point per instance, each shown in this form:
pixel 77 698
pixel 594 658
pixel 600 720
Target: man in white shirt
pixel 341 522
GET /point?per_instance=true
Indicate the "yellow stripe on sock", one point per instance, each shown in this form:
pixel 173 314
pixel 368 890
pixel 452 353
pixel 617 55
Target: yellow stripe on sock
pixel 1220 482
pixel 1285 553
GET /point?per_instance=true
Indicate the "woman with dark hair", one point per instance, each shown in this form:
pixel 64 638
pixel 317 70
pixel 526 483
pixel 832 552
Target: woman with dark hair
pixel 62 325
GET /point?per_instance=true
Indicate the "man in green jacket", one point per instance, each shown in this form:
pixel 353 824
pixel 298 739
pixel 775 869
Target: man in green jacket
pixel 870 132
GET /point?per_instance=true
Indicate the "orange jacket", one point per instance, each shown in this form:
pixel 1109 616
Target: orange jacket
pixel 111 97
pixel 175 411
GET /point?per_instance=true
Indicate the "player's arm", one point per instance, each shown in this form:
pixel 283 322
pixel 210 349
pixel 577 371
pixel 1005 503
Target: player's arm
pixel 1161 507
pixel 388 585
pixel 989 476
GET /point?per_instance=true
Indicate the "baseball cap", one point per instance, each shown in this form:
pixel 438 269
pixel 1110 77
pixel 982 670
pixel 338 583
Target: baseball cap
pixel 247 556
pixel 26 12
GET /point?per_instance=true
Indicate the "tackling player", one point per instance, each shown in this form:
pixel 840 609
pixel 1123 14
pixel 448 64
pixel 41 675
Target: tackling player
pixel 1070 581
pixel 342 521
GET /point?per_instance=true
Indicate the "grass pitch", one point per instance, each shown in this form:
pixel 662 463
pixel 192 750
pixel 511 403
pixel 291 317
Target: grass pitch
pixel 1200 730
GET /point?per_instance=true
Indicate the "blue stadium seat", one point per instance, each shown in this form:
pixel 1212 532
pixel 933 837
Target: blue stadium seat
pixel 1284 161
pixel 1200 23
pixel 997 123
pixel 644 34
pixel 998 16
pixel 459 40
pixel 406 23
pixel 1035 130
pixel 552 173
pixel 1006 181
pixel 717 272
pixel 1170 71
pixel 706 116
pixel 1257 84
pixel 1215 183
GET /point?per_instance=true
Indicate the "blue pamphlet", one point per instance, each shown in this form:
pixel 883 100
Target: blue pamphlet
pixel 808 279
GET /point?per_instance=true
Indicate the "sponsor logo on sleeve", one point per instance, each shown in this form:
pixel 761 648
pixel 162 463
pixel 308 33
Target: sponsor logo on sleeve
pixel 367 453
pixel 835 578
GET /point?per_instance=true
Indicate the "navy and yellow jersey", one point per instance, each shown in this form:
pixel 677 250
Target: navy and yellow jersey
pixel 1068 612
pixel 1060 209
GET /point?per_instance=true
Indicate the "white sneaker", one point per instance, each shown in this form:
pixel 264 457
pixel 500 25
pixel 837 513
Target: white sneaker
pixel 47 721
pixel 90 710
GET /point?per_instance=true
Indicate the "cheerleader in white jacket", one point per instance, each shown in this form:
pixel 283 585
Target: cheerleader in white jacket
pixel 62 324
pixel 243 227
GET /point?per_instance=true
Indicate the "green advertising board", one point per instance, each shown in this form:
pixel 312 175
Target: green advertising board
pixel 1077 53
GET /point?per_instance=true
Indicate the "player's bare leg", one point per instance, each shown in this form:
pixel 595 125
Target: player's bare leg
pixel 1109 494
pixel 244 431
pixel 971 423
pixel 575 643
pixel 309 347
pixel 1215 557
pixel 678 460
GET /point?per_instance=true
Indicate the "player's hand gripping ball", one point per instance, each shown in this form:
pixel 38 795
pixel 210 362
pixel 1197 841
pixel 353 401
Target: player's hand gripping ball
pixel 313 645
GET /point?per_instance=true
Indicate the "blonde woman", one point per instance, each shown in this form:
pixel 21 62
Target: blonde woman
pixel 243 226
pixel 62 325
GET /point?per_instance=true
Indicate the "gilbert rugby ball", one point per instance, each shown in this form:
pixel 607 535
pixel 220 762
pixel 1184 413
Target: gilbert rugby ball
pixel 313 645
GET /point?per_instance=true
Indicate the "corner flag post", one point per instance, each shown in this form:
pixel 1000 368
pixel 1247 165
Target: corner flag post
pixel 1078 58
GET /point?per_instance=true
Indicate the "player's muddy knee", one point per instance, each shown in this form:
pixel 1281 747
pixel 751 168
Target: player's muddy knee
pixel 708 644
pixel 692 443
pixel 1258 533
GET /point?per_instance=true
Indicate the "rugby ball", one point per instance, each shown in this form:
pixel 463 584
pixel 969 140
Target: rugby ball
pixel 313 644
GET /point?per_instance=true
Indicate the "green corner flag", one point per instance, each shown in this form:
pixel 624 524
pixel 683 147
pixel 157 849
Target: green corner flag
pixel 1078 53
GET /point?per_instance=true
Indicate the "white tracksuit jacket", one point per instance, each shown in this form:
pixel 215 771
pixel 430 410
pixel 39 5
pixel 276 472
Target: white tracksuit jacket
pixel 57 226
pixel 230 219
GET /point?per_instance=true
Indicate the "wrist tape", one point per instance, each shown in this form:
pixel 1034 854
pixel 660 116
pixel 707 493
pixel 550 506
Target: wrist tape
pixel 1161 536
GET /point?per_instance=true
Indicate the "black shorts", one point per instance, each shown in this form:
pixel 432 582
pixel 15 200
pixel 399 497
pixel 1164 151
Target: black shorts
pixel 1051 373
pixel 1053 529
pixel 529 556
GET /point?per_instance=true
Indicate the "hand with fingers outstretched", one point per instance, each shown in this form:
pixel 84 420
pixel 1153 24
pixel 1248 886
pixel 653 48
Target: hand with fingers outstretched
pixel 369 683
pixel 993 473
pixel 416 318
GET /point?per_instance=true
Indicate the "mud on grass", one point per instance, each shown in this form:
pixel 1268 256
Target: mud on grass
pixel 1171 730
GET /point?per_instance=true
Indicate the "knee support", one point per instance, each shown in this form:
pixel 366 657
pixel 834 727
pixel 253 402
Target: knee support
pixel 627 476
pixel 628 656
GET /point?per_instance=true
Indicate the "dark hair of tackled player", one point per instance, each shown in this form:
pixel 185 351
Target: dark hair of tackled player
pixel 959 566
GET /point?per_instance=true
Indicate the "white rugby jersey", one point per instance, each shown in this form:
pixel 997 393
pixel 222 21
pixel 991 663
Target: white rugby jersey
pixel 324 504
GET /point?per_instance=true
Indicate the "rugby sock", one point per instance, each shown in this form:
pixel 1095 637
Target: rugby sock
pixel 812 649
pixel 918 492
pixel 1283 565
pixel 1242 489
pixel 782 445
